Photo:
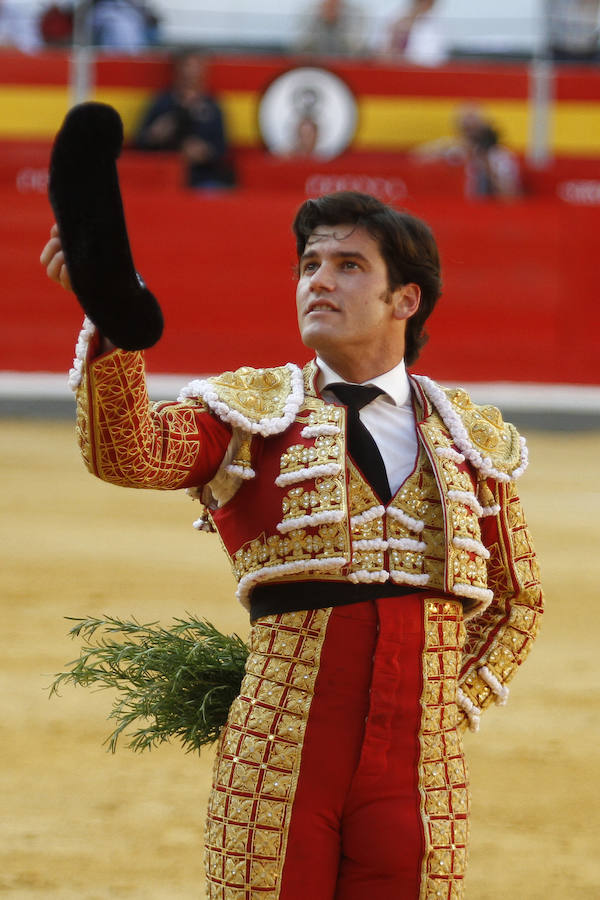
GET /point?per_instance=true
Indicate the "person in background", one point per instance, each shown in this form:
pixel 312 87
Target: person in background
pixel 187 119
pixel 333 27
pixel 491 169
pixel 18 27
pixel 413 37
pixel 126 25
pixel 572 30
pixel 56 24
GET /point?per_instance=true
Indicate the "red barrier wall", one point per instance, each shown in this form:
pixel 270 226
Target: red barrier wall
pixel 520 298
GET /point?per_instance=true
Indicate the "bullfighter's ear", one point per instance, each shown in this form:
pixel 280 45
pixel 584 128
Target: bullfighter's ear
pixel 86 199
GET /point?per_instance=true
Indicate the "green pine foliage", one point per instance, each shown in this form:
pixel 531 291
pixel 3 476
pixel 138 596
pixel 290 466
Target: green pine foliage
pixel 176 682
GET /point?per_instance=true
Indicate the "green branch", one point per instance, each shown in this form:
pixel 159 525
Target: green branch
pixel 176 682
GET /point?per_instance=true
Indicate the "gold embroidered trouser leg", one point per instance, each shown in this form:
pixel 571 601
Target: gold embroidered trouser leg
pixel 349 785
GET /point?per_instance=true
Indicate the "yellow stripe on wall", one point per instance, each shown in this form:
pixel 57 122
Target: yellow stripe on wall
pixel 129 102
pixel 240 109
pixel 575 129
pixel 393 123
pixel 385 123
pixel 34 113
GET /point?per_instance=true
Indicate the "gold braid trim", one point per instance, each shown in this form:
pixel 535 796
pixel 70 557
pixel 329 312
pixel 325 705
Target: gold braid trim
pixel 127 440
pixel 514 616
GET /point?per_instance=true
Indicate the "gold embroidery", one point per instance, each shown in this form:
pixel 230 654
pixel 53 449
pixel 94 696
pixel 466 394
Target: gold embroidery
pixel 495 438
pixel 256 393
pixel 326 450
pixel 442 773
pixel 137 444
pixel 464 566
pixel 328 494
pixel 419 498
pixel 258 759
pixel 361 498
pixel 514 615
pixel 243 455
pixel 324 542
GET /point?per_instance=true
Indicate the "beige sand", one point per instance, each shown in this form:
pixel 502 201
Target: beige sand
pixel 80 823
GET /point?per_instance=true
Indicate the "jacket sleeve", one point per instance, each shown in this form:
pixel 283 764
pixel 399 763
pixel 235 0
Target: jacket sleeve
pixel 500 638
pixel 129 441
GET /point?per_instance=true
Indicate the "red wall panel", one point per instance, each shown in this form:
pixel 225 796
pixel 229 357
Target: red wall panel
pixel 520 284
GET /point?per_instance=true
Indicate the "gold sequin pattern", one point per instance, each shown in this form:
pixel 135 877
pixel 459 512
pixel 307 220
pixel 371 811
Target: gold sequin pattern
pixel 464 566
pixel 255 393
pixel 301 544
pixel 361 499
pixel 515 614
pixel 327 495
pixel 442 772
pixel 492 437
pixel 136 443
pixel 258 759
pixel 326 449
pixel 419 498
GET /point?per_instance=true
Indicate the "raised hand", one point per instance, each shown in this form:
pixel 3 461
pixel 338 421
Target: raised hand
pixel 53 258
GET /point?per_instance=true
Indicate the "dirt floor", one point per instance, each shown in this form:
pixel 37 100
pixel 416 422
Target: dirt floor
pixel 80 823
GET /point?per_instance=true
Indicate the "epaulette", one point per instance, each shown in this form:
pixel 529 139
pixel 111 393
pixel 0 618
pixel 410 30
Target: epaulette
pixel 492 445
pixel 259 401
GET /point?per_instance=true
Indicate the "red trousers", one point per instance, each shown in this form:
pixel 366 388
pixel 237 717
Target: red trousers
pixel 340 774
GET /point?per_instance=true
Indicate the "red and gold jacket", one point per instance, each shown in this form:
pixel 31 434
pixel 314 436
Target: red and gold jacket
pixel 266 455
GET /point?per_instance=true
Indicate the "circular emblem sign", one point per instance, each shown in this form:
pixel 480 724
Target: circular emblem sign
pixel 307 112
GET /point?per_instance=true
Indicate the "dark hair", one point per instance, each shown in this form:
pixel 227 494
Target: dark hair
pixel 406 244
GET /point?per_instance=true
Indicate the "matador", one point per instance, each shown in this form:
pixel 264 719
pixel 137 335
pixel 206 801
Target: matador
pixel 375 531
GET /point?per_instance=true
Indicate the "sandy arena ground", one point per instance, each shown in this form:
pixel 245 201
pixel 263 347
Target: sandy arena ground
pixel 80 823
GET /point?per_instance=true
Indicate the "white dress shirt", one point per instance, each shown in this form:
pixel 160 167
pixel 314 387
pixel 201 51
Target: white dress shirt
pixel 390 419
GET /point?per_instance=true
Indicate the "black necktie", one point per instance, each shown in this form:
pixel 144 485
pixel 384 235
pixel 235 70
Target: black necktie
pixel 361 443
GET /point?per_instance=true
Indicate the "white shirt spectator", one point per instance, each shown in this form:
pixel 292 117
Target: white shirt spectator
pixel 18 26
pixel 119 25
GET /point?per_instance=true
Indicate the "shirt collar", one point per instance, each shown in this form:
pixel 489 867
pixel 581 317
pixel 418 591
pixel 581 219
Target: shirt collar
pixel 395 383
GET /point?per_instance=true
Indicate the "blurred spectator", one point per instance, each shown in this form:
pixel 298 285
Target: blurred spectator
pixel 56 24
pixel 414 37
pixel 333 27
pixel 187 119
pixel 18 26
pixel 572 29
pixel 126 25
pixel 491 169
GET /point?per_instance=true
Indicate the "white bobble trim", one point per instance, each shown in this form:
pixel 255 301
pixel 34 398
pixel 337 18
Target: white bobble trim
pixel 363 576
pixel 471 546
pixel 406 520
pixel 310 521
pixel 313 431
pixel 400 577
pixel 241 472
pixel 322 471
pixel 468 499
pixel 271 573
pixel 370 544
pixel 490 510
pixel 473 712
pixel 484 595
pixel 375 512
pixel 88 330
pixel 204 390
pixel 460 436
pixel 407 544
pixel 500 690
pixel 450 453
